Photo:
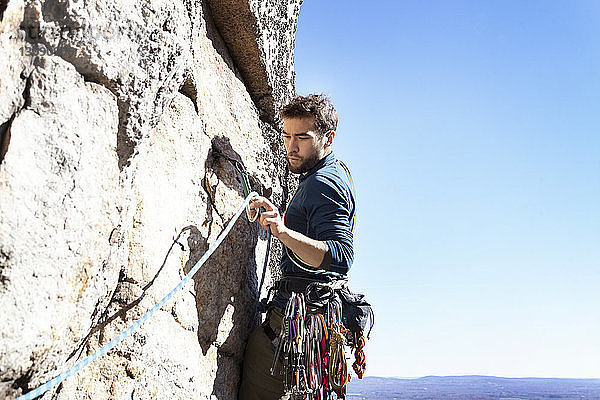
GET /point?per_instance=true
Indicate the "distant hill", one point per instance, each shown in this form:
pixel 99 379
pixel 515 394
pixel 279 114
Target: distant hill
pixel 473 387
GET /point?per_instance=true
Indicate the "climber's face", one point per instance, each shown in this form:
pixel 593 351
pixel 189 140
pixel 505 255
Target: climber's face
pixel 304 146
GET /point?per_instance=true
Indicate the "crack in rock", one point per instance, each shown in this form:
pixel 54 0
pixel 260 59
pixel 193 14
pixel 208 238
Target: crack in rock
pixel 5 127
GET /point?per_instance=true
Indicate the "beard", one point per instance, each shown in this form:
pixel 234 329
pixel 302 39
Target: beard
pixel 305 165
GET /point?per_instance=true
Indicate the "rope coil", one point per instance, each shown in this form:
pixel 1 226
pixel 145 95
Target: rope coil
pixel 338 368
pixel 360 363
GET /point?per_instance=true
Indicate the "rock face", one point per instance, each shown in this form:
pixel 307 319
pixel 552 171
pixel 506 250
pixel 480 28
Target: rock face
pixel 118 124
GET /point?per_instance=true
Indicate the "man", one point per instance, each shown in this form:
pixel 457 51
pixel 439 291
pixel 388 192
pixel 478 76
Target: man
pixel 316 230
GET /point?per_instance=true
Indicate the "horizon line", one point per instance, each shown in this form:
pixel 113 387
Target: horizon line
pixel 482 376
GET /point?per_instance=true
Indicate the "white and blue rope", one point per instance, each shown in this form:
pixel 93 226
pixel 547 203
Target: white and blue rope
pixel 108 346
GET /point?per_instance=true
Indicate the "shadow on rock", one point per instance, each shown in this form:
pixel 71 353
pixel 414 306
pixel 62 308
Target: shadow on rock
pixel 123 294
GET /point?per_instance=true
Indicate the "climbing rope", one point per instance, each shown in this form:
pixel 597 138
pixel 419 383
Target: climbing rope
pixel 338 368
pixel 360 363
pixel 246 188
pixel 104 349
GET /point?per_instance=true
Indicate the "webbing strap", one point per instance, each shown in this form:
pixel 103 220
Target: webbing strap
pixel 246 188
pixel 104 349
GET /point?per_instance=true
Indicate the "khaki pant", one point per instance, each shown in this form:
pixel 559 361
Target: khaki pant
pixel 257 381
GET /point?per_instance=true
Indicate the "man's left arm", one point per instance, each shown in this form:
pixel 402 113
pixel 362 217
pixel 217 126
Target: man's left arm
pixel 331 220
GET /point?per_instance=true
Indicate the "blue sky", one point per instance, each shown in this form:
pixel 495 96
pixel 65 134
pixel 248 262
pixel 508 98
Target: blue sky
pixel 472 129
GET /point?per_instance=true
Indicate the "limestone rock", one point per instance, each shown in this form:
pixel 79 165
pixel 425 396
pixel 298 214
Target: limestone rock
pixel 59 192
pixel 261 43
pixel 118 123
pixel 14 69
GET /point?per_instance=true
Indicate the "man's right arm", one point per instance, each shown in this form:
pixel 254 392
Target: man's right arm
pixel 310 251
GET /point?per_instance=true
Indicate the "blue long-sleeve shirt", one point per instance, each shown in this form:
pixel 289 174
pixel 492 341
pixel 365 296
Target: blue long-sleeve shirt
pixel 323 209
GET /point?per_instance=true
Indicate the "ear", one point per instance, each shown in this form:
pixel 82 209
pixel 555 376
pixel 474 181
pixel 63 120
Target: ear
pixel 330 137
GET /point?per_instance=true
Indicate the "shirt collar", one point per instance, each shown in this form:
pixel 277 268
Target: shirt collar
pixel 328 159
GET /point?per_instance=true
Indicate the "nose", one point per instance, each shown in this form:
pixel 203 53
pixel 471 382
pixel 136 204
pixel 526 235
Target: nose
pixel 293 145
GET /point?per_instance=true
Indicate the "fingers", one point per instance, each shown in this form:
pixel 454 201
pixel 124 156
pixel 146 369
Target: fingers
pixel 269 215
pixel 252 213
pixel 259 201
pixel 269 221
pixel 266 217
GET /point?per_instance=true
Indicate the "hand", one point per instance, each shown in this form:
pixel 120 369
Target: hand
pixel 270 217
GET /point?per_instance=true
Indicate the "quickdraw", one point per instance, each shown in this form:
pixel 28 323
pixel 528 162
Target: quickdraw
pixel 312 350
pixel 292 342
pixel 316 355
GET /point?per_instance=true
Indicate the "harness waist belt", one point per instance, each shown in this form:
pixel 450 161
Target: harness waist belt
pixel 299 285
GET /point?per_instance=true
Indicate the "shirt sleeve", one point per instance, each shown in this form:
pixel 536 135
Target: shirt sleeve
pixel 330 214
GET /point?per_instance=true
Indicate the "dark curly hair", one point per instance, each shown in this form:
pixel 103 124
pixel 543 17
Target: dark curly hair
pixel 313 105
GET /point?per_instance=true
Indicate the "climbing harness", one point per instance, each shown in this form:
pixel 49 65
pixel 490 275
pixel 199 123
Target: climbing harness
pixel 107 347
